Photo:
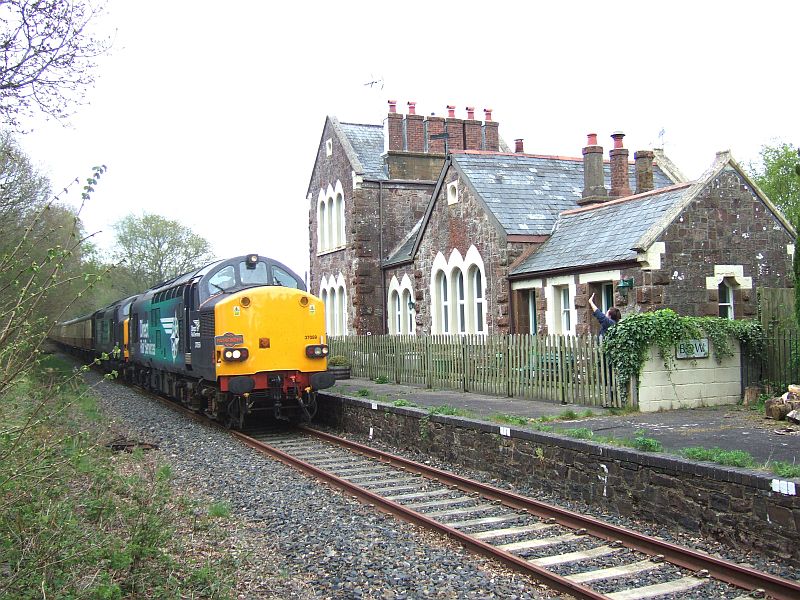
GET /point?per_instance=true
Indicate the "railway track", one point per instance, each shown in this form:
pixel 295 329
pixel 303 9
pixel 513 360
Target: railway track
pixel 569 552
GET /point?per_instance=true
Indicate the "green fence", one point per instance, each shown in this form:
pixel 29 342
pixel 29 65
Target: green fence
pixel 557 368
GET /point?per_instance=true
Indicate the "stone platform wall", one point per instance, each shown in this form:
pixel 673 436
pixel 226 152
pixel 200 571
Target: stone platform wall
pixel 740 508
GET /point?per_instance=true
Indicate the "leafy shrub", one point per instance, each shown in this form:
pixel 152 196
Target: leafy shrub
pixel 338 361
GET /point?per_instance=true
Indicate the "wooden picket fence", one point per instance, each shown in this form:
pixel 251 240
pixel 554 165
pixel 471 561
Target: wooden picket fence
pixel 557 368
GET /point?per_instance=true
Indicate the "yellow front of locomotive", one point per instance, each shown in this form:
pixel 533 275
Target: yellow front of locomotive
pixel 275 336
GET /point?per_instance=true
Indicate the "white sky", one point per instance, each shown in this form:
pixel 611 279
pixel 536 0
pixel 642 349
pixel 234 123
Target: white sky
pixel 211 113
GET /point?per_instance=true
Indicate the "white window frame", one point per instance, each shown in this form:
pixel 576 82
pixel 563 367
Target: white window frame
pixel 460 304
pixel 333 293
pixel 727 306
pixel 452 192
pixel 565 310
pixel 532 328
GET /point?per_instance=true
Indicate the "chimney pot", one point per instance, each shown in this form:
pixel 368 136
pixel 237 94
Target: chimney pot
pixel 617 137
pixel 471 113
pixel 488 113
pixel 392 106
pixel 592 139
pixel 518 146
pixel 412 108
pixel 451 111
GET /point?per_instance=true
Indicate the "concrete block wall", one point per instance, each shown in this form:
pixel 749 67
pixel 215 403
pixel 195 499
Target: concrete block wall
pixel 690 383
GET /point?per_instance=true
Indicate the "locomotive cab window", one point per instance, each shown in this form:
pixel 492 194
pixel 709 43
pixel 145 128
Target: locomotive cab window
pixel 222 280
pixel 281 277
pixel 253 276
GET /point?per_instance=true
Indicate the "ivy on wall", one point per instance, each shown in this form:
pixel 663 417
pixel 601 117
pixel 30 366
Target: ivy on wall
pixel 628 342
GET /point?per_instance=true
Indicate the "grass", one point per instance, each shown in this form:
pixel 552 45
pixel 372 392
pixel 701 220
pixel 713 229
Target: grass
pixel 510 419
pixel 403 402
pixel 728 458
pixel 445 409
pixel 784 469
pixel 81 521
pixel 219 510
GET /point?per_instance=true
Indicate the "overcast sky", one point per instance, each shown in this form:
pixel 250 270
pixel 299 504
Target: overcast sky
pixel 211 113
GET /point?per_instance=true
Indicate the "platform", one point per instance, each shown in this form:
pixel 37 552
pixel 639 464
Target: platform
pixel 731 427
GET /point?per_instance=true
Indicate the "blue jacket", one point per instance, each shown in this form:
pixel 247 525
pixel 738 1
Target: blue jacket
pixel 605 322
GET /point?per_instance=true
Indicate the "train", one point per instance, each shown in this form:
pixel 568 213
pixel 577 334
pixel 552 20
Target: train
pixel 235 339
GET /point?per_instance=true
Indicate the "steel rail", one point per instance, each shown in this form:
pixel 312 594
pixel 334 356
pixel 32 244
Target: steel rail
pixel 744 577
pixel 519 564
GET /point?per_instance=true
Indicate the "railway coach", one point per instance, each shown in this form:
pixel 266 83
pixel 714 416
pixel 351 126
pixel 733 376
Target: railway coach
pixel 235 338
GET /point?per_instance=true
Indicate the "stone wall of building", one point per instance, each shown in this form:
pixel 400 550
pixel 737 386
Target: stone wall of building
pixel 457 227
pixel 726 224
pixel 737 507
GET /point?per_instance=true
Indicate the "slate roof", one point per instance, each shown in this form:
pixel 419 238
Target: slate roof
pixel 367 142
pixel 405 251
pixel 526 192
pixel 604 233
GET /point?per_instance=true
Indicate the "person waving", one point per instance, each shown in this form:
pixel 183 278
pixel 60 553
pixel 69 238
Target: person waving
pixel 609 319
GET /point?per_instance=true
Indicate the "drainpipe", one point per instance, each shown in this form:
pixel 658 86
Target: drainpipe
pixel 380 256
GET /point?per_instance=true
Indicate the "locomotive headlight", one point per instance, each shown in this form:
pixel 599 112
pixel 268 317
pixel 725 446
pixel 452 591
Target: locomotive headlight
pixel 317 351
pixel 235 354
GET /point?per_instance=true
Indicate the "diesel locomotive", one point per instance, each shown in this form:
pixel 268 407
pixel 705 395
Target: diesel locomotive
pixel 235 338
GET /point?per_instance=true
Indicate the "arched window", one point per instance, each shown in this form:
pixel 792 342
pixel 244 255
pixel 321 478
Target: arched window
pixel 397 314
pixel 444 298
pixel 333 294
pixel 322 227
pixel 341 311
pixel 329 231
pixel 461 306
pixel 339 225
pixel 407 305
pixel 479 300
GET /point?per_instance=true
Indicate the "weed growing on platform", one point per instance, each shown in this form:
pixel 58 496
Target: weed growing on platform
pixel 80 521
pixel 646 444
pixel 784 469
pixel 728 458
pixel 381 379
pixel 445 409
pixel 510 419
pixel 363 393
pixel 403 402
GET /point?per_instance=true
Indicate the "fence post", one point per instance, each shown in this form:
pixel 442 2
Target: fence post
pixel 428 363
pixel 464 363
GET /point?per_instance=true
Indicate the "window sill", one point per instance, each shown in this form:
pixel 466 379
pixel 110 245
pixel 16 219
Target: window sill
pixel 331 250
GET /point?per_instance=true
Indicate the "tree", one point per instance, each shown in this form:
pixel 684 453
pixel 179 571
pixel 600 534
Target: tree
pixel 154 249
pixel 777 178
pixel 48 55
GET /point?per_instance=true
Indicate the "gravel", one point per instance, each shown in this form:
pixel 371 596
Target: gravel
pixel 302 539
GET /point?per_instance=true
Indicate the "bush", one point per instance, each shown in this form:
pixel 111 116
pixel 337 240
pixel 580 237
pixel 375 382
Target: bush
pixel 338 361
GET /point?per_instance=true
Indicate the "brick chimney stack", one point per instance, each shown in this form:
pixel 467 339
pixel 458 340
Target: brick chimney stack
pixel 455 130
pixel 594 189
pixel 394 128
pixel 644 170
pixel 491 137
pixel 620 185
pixel 518 148
pixel 473 133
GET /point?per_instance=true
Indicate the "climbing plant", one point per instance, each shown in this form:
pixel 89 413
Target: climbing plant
pixel 627 343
